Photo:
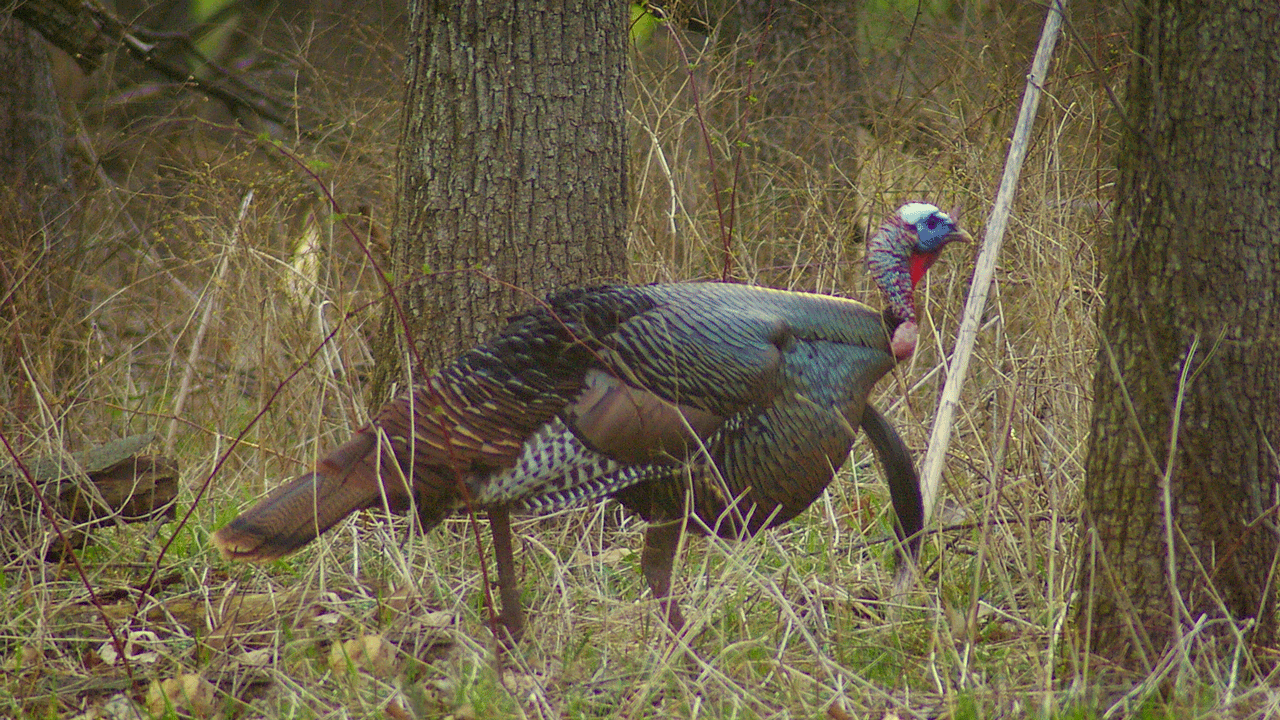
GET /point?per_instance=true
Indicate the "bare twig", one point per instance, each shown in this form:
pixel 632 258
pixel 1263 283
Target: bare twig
pixel 1178 609
pixel 51 517
pixel 940 437
pixel 86 30
pixel 211 301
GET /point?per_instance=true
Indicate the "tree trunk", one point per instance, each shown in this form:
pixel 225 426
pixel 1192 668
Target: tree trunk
pixel 795 123
pixel 806 65
pixel 512 175
pixel 1192 320
pixel 33 162
pixel 39 251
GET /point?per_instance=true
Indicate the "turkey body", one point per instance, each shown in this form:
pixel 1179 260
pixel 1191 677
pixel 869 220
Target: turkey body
pixel 736 403
pixel 603 389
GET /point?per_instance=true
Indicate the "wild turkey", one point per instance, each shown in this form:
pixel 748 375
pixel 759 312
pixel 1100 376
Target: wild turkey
pixel 755 393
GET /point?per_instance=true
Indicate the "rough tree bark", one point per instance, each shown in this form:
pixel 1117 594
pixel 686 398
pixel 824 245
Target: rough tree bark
pixel 1192 320
pixel 512 176
pixel 33 161
pixel 39 251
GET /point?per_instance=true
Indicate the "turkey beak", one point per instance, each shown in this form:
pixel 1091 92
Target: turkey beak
pixel 957 235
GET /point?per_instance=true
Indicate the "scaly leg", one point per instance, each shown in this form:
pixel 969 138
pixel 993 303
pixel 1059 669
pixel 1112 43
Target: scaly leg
pixel 512 615
pixel 656 560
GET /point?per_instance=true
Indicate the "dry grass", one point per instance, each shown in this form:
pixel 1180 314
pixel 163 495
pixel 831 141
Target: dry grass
pixel 220 270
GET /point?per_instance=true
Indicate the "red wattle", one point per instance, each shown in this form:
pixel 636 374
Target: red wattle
pixel 919 263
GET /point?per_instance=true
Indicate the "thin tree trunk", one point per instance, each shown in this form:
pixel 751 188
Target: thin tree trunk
pixel 1190 339
pixel 512 179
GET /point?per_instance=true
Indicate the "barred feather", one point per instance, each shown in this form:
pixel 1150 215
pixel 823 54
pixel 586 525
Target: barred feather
pixel 736 402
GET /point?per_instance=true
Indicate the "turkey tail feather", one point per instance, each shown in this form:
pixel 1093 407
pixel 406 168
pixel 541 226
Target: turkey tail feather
pixel 343 482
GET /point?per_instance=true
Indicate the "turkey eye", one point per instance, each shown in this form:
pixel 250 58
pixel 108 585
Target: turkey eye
pixel 932 223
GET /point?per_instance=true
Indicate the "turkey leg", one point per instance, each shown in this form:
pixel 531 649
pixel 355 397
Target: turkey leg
pixel 512 615
pixel 656 560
